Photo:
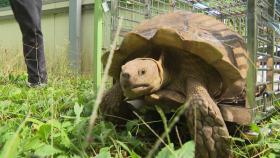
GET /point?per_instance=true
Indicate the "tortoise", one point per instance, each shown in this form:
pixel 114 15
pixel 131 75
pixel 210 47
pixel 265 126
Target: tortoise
pixel 176 58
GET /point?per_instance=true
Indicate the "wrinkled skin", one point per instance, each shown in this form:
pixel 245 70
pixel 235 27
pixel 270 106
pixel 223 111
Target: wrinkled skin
pixel 198 83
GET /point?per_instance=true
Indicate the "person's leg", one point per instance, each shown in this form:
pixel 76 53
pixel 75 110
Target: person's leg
pixel 28 15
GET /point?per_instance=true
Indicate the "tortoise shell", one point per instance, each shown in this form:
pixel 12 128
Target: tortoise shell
pixel 199 34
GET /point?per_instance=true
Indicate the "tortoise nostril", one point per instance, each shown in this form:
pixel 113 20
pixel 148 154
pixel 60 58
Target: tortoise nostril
pixel 125 75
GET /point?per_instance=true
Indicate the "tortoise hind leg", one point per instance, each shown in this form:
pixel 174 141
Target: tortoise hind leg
pixel 206 124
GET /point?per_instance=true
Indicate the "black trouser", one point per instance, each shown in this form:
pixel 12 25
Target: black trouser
pixel 28 15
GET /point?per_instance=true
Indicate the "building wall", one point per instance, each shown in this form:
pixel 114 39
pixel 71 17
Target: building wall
pixel 55 27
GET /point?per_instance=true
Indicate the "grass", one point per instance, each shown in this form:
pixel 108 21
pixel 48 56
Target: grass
pixel 266 145
pixel 53 122
pixel 65 106
pixel 58 106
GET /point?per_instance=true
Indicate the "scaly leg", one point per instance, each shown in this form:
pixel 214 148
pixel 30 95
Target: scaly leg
pixel 206 123
pixel 112 106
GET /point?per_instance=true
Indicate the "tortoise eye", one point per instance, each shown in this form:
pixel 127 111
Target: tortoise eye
pixel 141 72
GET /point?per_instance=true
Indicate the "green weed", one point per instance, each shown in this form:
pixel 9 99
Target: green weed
pixel 53 122
pixel 265 145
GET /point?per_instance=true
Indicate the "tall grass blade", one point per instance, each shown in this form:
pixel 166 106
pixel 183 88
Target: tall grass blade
pixel 102 86
pixel 11 146
pixel 170 126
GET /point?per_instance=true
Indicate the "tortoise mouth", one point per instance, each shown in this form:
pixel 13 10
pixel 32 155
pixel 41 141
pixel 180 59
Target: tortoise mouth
pixel 139 87
pixel 135 91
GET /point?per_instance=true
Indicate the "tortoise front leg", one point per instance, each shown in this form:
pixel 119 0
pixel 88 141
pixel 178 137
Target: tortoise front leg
pixel 206 124
pixel 112 107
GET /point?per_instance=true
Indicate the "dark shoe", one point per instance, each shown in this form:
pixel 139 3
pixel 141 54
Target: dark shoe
pixel 36 85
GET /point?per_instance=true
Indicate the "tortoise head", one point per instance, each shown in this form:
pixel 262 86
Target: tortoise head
pixel 141 76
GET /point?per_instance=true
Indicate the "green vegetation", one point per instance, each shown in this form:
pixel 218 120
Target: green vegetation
pixel 4 3
pixel 265 145
pixel 51 116
pixel 53 121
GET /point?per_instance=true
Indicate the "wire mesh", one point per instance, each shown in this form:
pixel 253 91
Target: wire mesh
pixel 268 57
pixel 232 13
